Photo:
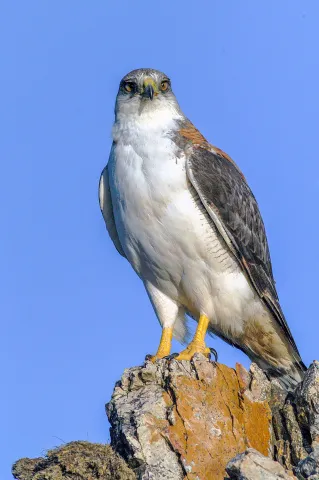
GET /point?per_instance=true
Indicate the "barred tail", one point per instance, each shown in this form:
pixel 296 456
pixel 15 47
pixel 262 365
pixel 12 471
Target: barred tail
pixel 289 379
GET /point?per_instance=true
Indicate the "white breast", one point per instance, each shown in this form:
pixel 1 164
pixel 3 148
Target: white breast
pixel 165 232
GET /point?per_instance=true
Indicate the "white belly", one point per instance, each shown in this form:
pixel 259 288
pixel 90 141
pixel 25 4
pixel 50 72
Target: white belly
pixel 171 242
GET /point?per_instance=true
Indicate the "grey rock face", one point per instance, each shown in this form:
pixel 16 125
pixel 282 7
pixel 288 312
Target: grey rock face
pixel 307 412
pixel 307 403
pixel 251 465
pixel 135 400
pixel 295 420
pixel 187 420
pixel 158 411
pixel 296 426
pixel 308 468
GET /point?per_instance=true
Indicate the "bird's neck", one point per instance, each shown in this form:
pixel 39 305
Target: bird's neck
pixel 151 123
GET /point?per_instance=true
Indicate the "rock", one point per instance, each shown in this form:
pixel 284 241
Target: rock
pixel 76 460
pixel 296 426
pixel 251 465
pixel 185 420
pixel 308 468
pixel 288 439
pixel 307 404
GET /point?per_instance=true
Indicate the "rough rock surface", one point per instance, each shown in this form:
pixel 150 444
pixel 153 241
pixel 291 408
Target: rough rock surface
pixel 185 420
pixel 196 420
pixel 76 461
pixel 296 426
pixel 309 466
pixel 251 465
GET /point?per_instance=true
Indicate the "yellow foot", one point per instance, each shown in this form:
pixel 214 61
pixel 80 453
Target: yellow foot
pixel 164 348
pixel 153 358
pixel 193 347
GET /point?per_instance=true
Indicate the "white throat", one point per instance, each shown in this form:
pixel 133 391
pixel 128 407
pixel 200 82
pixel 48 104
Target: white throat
pixel 148 121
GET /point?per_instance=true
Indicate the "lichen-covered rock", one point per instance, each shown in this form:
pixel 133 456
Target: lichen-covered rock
pixel 251 465
pixel 185 420
pixel 76 461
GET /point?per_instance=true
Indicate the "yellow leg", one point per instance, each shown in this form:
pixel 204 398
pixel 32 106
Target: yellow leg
pixel 164 347
pixel 197 345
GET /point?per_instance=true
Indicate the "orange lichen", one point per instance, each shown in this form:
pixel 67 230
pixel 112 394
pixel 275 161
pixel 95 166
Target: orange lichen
pixel 196 405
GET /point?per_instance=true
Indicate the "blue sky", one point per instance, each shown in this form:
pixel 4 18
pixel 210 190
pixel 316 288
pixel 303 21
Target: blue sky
pixel 74 314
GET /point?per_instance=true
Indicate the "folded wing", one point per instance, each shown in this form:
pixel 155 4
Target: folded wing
pixel 232 206
pixel 107 209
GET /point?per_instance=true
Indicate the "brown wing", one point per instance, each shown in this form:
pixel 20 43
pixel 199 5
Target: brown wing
pixel 232 206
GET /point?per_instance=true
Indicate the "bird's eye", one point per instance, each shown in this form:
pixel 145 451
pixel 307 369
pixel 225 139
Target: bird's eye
pixel 164 85
pixel 129 87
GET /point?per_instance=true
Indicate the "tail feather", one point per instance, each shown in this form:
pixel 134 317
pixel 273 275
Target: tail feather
pixel 181 328
pixel 289 379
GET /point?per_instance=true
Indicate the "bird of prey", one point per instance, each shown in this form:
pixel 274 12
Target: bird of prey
pixel 181 212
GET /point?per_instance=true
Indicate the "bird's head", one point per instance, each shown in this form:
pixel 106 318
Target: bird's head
pixel 144 92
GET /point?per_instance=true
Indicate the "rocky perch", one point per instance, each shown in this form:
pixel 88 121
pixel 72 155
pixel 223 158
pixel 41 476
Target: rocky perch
pixel 196 420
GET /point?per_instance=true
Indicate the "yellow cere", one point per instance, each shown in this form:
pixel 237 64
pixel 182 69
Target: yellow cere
pixel 150 81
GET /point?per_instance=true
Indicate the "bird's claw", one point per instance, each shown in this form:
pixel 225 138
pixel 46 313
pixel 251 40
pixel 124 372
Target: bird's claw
pixel 214 352
pixel 171 356
pixel 153 358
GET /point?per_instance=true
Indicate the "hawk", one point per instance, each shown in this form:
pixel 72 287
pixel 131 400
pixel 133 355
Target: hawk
pixel 181 212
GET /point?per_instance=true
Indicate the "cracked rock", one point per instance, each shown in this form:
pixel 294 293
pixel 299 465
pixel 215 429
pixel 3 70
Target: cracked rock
pixel 251 465
pixel 185 420
pixel 308 468
pixel 307 402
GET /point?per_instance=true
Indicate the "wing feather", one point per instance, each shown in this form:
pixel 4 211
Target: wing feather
pixel 107 209
pixel 232 206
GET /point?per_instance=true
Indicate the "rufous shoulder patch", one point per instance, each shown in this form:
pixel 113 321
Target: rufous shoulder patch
pixel 190 133
pixel 193 135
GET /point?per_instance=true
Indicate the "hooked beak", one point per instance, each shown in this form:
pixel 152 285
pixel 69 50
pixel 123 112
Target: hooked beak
pixel 149 92
pixel 149 88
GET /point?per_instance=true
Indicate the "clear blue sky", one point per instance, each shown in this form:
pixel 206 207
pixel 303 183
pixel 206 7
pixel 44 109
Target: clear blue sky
pixel 73 313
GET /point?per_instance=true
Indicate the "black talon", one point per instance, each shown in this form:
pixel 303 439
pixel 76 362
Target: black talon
pixel 148 357
pixel 213 351
pixel 171 356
